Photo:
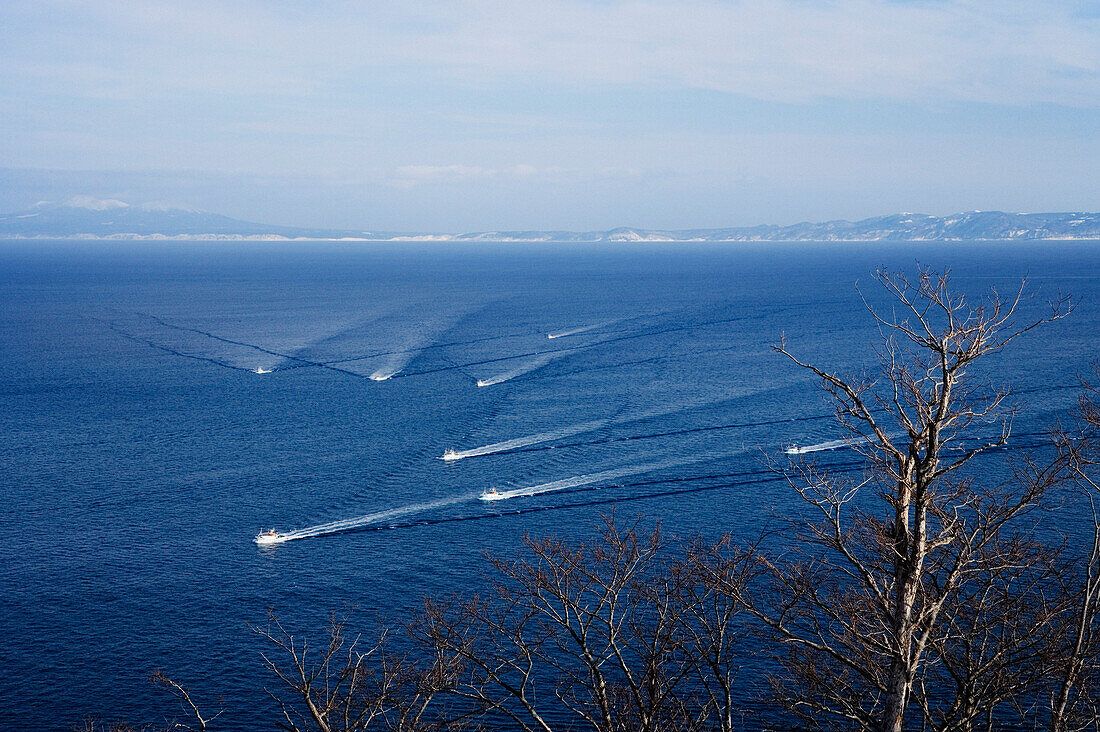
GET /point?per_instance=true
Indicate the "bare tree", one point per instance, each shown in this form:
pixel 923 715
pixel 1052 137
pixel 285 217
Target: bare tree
pixel 1075 692
pixel 918 592
pixel 348 687
pixel 714 581
pixel 608 635
pixel 91 724
pixel 201 722
pixel 177 690
pixel 891 549
pixel 989 661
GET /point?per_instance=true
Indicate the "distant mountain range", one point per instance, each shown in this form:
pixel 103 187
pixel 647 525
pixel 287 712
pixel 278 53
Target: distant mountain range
pixel 89 218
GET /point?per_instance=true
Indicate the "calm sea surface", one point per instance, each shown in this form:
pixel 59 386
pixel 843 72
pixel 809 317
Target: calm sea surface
pixel 140 452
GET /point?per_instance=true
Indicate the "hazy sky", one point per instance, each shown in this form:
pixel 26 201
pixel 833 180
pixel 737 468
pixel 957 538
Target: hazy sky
pixel 491 114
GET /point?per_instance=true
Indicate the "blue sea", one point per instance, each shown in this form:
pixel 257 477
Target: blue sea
pixel 161 403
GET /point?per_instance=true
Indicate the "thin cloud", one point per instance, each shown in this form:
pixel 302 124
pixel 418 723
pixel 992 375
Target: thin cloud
pixel 1010 52
pixel 564 113
pixel 409 176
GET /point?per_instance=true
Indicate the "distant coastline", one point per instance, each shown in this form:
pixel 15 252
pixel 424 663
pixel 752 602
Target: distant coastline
pixel 90 219
pixel 472 239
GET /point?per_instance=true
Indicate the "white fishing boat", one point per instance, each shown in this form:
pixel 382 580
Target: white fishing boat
pixel 450 455
pixel 261 370
pixel 492 495
pixel 271 536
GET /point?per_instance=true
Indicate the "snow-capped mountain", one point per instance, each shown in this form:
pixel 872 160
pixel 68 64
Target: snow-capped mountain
pixel 88 217
pixel 972 226
pixel 84 216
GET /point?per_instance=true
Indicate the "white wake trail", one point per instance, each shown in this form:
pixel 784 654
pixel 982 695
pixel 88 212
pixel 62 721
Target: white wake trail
pixel 581 329
pixel 579 480
pixel 535 363
pixel 519 442
pixel 334 527
pixel 821 446
pixel 550 435
pixel 409 337
pixel 396 362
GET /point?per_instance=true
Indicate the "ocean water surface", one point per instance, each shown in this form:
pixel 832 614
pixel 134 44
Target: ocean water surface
pixel 161 403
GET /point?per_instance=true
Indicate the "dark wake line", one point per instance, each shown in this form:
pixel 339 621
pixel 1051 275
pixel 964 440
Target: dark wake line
pixel 667 433
pixel 517 334
pixel 261 349
pixel 580 504
pixel 640 362
pixel 299 362
pixel 772 477
pixel 137 339
pixel 594 344
pixel 430 346
pixel 305 362
pixel 462 370
pixel 1044 389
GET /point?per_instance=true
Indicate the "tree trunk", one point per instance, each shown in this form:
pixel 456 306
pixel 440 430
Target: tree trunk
pixel 899 678
pixel 897 681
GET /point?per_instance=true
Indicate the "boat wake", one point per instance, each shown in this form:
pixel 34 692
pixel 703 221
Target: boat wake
pixel 521 442
pixel 535 363
pixel 408 334
pixel 370 519
pixel 581 329
pixel 822 446
pixel 273 537
pixel 587 479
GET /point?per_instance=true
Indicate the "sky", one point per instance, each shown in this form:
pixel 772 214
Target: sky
pixel 472 115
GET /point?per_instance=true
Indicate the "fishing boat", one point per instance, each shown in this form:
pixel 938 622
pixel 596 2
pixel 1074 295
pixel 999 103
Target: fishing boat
pixel 271 536
pixel 261 370
pixel 492 495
